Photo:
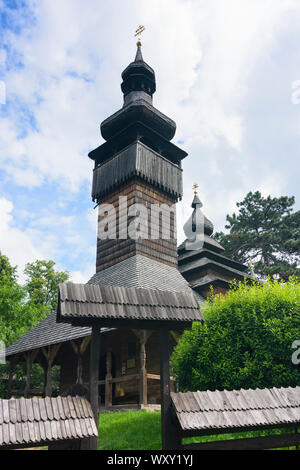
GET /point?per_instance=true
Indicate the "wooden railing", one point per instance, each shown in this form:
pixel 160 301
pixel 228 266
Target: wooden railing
pixel 143 378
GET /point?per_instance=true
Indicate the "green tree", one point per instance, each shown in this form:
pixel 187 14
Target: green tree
pixel 245 342
pixel 17 314
pixel 7 271
pixel 42 280
pixel 267 230
pixel 22 307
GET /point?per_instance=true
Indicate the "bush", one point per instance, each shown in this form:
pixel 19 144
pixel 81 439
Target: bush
pixel 245 342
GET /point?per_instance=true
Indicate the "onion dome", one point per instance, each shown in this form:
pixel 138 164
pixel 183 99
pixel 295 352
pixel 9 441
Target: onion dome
pixel 200 258
pixel 138 87
pixel 198 215
pixel 198 230
pixel 138 76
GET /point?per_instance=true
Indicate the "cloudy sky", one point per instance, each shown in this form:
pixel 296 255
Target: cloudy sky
pixel 227 71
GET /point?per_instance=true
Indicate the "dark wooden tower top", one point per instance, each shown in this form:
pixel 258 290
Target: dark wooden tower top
pixel 203 263
pixel 137 282
pixel 138 119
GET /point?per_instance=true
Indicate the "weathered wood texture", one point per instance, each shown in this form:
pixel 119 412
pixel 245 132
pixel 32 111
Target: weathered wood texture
pixel 49 353
pixel 251 443
pixel 166 404
pixel 125 391
pixel 163 248
pixel 137 160
pixel 88 302
pixel 94 377
pixel 223 412
pixel 27 422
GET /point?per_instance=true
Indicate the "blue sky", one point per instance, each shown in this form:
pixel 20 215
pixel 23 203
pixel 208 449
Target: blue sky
pixel 224 71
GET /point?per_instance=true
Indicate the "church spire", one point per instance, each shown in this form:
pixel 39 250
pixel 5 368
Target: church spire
pixel 139 55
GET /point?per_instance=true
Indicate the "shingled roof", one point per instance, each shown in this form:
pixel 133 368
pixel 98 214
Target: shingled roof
pixel 136 271
pixel 48 332
pixel 115 302
pixel 44 420
pixel 229 410
pixel 143 272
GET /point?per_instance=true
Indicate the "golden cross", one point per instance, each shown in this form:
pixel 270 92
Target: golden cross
pixel 195 187
pixel 251 266
pixel 138 33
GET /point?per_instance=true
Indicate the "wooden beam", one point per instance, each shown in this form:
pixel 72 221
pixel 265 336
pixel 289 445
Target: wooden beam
pixel 108 383
pixel 122 378
pixel 166 408
pixel 176 335
pixel 94 378
pixel 49 354
pixel 252 443
pixel 132 324
pixel 84 344
pixel 30 356
pixel 143 335
pixel 79 349
pixel 143 376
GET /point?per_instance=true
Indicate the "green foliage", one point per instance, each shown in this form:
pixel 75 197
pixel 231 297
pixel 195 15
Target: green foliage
pixel 22 307
pixel 17 314
pixel 267 230
pixel 7 271
pixel 42 283
pixel 245 342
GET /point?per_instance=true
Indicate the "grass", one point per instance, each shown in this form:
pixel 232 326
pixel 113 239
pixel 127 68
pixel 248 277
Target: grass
pixel 140 430
pixel 130 430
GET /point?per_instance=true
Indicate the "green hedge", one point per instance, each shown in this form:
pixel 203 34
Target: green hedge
pixel 245 342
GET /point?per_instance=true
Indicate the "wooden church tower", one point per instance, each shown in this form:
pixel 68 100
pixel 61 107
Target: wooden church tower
pixel 139 163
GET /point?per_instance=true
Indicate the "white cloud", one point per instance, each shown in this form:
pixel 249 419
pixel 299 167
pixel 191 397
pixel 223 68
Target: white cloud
pixel 45 237
pixel 204 54
pixel 20 247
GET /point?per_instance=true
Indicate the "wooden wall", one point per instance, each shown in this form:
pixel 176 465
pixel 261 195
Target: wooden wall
pixel 111 251
pixel 126 361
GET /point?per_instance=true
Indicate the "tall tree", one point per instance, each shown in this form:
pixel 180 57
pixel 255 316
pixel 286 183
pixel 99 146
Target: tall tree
pixel 266 230
pixel 17 314
pixel 42 280
pixel 6 269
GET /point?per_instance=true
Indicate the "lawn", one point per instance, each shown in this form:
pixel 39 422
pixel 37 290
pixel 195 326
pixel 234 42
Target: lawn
pixel 140 430
pixel 130 430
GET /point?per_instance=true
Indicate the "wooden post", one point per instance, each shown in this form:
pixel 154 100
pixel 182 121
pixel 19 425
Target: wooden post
pixel 48 386
pixel 30 356
pixel 166 421
pixel 143 336
pixel 79 350
pixel 108 384
pixel 49 354
pixel 143 375
pixel 94 379
pixel 28 374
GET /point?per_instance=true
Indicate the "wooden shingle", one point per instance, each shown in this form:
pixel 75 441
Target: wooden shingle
pixel 44 420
